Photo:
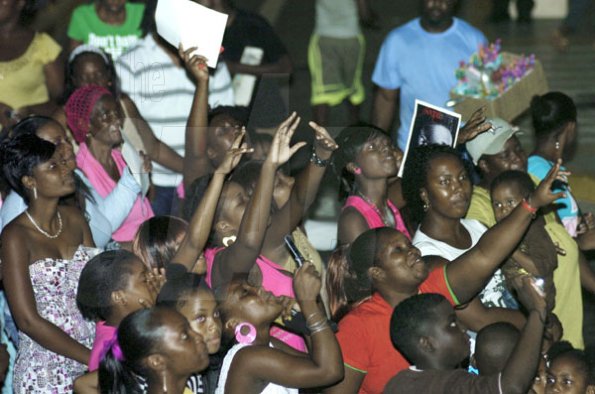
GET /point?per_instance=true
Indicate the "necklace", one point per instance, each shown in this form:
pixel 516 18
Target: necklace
pixel 387 217
pixel 50 236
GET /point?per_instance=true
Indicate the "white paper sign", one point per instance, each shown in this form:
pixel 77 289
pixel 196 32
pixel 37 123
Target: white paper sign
pixel 135 165
pixel 192 25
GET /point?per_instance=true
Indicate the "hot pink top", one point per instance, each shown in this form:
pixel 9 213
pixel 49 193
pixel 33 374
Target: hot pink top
pixel 372 217
pixel 273 280
pixel 104 184
pixel 105 337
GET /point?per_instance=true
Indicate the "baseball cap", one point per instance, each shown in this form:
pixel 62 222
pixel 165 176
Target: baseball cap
pixel 491 141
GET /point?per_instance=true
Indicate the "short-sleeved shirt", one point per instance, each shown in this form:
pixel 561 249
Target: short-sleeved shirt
pixel 22 80
pixel 87 27
pixel 456 381
pixel 422 65
pixel 250 29
pixel 365 341
pixel 567 207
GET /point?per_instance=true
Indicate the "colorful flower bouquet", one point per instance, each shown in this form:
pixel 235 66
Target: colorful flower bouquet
pixel 488 75
pixel 503 82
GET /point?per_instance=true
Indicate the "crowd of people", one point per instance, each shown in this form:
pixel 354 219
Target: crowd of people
pixel 152 232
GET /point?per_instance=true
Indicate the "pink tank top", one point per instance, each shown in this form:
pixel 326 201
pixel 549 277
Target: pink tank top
pixel 372 217
pixel 273 280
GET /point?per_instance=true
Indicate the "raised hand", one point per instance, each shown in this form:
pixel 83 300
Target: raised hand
pixel 325 145
pixel 475 125
pixel 532 297
pixel 234 154
pixel 196 65
pixel 543 195
pixel 307 283
pixel 280 151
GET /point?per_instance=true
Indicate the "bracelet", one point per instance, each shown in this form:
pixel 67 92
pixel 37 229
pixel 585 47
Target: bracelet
pixel 326 326
pixel 311 315
pixel 527 207
pixel 317 161
pixel 317 325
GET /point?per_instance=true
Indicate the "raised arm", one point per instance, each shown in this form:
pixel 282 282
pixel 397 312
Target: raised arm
pixel 522 363
pixel 497 243
pixel 196 161
pixel 202 219
pixel 323 367
pixel 241 256
pixel 304 191
pixel 156 149
pixel 19 292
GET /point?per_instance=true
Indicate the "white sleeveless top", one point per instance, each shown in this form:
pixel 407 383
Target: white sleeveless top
pixel 271 388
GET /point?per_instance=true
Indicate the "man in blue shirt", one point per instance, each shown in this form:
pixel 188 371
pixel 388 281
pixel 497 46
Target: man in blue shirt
pixel 418 60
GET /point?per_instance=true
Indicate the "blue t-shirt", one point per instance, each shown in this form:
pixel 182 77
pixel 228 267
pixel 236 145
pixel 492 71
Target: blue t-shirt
pixel 423 64
pixel 567 208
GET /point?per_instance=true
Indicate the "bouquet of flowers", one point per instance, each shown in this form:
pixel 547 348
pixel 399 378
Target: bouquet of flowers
pixel 488 74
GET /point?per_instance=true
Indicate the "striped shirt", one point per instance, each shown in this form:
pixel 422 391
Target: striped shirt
pixel 163 93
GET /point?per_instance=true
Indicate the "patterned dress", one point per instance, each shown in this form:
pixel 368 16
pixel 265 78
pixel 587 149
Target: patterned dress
pixel 54 281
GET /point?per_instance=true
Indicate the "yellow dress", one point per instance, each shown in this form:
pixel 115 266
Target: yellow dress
pixel 22 80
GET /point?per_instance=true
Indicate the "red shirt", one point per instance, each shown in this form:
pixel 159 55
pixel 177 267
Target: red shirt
pixel 364 336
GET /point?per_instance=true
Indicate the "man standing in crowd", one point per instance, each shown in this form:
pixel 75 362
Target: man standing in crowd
pixel 418 60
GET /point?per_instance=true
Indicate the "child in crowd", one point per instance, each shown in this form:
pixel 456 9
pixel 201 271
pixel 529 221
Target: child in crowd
pixel 112 285
pixel 113 26
pixel 537 254
pixel 425 330
pixel 569 370
pixel 188 294
pixel 159 348
pixel 493 346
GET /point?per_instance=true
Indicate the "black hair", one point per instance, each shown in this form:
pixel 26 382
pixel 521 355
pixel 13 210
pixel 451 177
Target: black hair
pixel 494 345
pixel 239 113
pixel 31 125
pixel 180 283
pixel 351 141
pixel 19 155
pixel 348 282
pixel 194 195
pixel 246 174
pixel 521 180
pixel 551 113
pixel 105 273
pixel 157 240
pixel 139 336
pixel 416 172
pixel 410 320
pixel 584 359
pixel 69 87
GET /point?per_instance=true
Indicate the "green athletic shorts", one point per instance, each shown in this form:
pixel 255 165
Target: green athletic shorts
pixel 336 68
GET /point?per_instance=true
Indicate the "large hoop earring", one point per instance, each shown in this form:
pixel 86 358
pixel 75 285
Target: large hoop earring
pixel 34 193
pixel 228 241
pixel 245 339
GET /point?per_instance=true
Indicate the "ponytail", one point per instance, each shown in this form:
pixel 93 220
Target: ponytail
pixel 116 378
pixel 337 271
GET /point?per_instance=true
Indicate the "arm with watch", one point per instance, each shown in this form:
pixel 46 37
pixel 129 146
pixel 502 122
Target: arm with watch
pixel 304 190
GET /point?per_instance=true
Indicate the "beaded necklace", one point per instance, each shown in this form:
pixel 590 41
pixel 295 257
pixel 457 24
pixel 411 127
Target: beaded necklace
pixel 387 217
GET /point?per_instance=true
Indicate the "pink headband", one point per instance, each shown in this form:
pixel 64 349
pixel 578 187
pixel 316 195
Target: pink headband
pixel 78 109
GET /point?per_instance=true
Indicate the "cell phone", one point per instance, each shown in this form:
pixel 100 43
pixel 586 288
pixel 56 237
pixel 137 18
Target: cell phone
pixel 295 253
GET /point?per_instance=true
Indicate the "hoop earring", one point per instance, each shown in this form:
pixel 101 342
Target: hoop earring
pixel 357 171
pixel 245 339
pixel 164 382
pixel 228 241
pixel 34 193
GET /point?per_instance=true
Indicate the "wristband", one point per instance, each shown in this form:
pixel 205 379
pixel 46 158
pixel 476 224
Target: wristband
pixel 527 207
pixel 317 161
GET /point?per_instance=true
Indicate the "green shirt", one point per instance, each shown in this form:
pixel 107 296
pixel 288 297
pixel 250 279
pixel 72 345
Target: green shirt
pixel 87 27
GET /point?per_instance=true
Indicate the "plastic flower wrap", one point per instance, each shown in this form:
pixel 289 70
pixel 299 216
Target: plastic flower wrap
pixel 486 75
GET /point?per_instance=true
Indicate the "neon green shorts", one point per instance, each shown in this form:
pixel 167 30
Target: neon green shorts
pixel 336 69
